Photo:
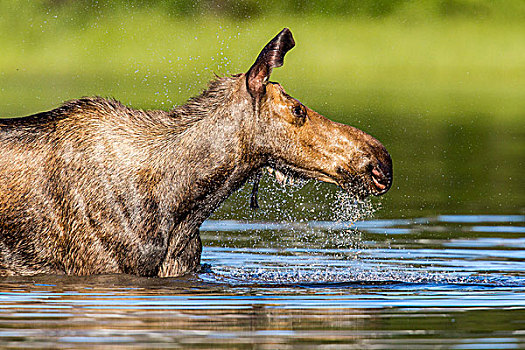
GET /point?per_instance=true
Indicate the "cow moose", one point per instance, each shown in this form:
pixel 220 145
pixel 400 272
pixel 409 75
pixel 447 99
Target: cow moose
pixel 95 187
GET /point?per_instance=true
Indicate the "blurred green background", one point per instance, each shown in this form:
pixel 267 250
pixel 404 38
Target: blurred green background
pixel 440 82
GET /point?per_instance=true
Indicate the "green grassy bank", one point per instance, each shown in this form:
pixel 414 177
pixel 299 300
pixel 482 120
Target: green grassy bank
pixel 406 65
pixel 444 93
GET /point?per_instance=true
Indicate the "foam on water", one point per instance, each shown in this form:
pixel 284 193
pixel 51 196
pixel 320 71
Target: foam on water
pixel 354 276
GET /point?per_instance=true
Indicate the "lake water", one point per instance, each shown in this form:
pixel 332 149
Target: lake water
pixel 441 281
pixel 438 262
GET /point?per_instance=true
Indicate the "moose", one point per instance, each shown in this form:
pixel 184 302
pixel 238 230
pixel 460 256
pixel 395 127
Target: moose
pixel 95 187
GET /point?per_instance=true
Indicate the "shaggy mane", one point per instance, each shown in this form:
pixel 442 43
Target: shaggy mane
pixel 177 120
pixel 205 104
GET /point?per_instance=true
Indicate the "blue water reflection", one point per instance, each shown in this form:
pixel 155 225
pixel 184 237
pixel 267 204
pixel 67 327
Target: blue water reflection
pixel 419 283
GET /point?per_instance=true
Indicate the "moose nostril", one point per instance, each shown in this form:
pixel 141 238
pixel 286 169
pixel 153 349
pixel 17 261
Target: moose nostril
pixel 377 172
pixel 380 180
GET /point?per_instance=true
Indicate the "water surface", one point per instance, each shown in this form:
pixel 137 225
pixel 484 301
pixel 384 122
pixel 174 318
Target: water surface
pixel 449 281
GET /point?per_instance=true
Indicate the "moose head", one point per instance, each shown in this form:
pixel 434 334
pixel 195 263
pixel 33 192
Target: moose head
pixel 296 141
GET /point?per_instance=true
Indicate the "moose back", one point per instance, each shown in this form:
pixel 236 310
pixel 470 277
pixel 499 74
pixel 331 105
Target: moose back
pixel 95 187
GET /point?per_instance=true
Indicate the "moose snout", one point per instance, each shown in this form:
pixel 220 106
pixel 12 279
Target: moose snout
pixel 369 160
pixel 381 176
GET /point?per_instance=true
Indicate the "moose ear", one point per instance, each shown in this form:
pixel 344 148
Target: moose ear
pixel 270 57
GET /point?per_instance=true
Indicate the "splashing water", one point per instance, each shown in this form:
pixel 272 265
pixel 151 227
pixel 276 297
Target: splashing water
pixel 315 236
pixel 313 212
pixel 426 251
pixel 357 275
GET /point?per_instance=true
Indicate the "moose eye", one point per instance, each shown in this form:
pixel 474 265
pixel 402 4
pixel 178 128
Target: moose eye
pixel 298 111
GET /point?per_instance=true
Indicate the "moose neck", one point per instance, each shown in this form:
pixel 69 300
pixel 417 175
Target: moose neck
pixel 208 159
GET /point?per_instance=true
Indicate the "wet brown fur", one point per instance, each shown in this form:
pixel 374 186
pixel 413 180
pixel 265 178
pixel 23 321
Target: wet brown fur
pixel 96 187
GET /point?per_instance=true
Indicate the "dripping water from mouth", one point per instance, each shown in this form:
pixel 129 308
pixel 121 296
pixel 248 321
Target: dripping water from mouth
pixel 298 204
pixel 346 210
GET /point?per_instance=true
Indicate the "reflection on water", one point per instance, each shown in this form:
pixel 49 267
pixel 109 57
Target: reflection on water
pixel 437 282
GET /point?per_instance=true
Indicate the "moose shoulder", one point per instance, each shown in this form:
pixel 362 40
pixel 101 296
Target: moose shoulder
pixel 96 187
